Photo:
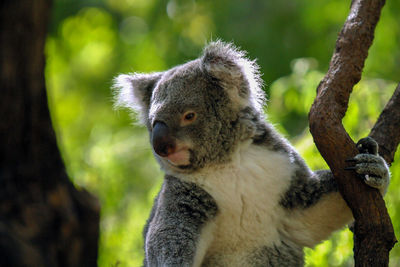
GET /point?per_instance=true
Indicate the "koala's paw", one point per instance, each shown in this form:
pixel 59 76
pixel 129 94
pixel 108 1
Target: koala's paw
pixel 367 145
pixel 371 167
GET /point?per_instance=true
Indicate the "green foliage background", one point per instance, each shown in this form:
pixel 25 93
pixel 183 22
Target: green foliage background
pixel 90 42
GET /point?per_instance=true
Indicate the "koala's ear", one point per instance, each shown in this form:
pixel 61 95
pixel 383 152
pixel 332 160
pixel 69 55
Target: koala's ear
pixel 134 91
pixel 239 76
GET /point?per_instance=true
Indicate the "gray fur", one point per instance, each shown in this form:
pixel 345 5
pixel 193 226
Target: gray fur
pixel 168 243
pixel 306 190
pixel 134 91
pixel 224 90
pixel 367 145
pixel 285 254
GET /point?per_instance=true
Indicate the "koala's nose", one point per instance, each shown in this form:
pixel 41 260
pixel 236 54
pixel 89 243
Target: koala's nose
pixel 162 141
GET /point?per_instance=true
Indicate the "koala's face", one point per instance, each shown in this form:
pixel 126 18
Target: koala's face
pixel 195 112
pixel 191 119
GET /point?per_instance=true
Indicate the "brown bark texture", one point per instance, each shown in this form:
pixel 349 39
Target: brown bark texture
pixel 373 232
pixel 44 220
pixel 386 130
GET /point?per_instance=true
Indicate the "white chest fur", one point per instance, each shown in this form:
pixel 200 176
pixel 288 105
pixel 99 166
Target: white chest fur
pixel 247 192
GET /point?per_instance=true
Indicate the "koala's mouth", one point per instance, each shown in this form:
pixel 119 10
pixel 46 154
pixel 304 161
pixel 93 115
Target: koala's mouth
pixel 180 158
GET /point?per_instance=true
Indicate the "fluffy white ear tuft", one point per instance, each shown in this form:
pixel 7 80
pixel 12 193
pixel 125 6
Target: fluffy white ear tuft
pixel 237 74
pixel 134 91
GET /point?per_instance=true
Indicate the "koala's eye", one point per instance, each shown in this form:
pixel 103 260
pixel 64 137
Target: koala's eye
pixel 188 117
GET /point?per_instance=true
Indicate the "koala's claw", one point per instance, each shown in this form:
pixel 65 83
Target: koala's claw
pixel 351 160
pixel 350 168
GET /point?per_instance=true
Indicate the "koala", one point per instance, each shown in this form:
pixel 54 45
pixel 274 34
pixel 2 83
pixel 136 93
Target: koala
pixel 235 192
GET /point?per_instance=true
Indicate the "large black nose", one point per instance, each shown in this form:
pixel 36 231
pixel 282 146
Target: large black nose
pixel 161 139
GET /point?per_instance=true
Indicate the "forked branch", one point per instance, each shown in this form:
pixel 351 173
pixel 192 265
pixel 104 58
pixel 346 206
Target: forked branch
pixel 374 235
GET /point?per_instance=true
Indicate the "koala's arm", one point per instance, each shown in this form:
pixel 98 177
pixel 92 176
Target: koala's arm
pixel 174 229
pixel 315 207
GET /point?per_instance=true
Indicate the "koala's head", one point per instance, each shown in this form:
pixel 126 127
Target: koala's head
pixel 199 112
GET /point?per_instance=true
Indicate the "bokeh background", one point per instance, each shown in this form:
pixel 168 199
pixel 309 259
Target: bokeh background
pixel 105 151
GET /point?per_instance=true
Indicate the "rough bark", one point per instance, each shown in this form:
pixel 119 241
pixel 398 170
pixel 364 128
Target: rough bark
pixel 386 130
pixel 44 220
pixel 374 234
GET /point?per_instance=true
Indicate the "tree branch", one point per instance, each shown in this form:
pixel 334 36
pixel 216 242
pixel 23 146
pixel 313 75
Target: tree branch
pixel 374 235
pixel 45 220
pixel 386 130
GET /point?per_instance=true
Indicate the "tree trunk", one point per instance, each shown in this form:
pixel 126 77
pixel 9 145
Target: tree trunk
pixel 44 220
pixel 373 232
